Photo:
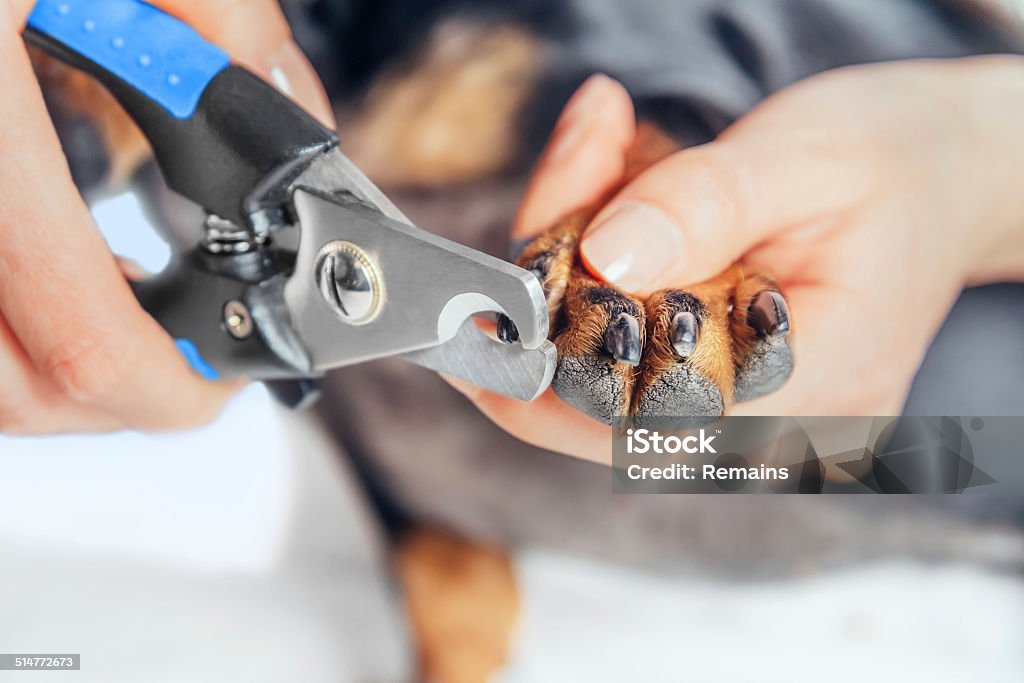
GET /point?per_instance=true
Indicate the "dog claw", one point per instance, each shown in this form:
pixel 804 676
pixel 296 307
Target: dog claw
pixel 768 314
pixel 622 339
pixel 683 333
pixel 507 331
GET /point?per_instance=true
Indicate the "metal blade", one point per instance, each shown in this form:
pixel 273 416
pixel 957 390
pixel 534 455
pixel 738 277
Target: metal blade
pixel 507 369
pixel 334 171
pixel 473 282
pixel 427 288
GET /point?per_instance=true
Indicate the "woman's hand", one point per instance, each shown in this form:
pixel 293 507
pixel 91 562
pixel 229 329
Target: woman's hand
pixel 873 194
pixel 77 353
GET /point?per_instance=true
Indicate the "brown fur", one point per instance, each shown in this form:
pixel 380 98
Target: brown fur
pixel 553 256
pixel 725 336
pixel 713 356
pixel 449 115
pixel 463 604
pixel 747 284
pixel 585 322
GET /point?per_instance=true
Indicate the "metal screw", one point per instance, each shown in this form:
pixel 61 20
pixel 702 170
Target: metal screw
pixel 348 282
pixel 237 319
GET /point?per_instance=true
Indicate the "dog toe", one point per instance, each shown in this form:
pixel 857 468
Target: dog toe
pixel 761 325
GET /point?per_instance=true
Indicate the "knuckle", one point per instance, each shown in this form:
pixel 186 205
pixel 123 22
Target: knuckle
pixel 715 178
pixel 698 178
pixel 85 370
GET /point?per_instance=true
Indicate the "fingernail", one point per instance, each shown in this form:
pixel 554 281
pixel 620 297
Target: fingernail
pixel 768 314
pixel 633 247
pixel 622 339
pixel 575 119
pixel 293 75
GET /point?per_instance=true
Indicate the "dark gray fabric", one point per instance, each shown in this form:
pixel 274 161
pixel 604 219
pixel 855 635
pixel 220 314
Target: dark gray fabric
pixel 696 66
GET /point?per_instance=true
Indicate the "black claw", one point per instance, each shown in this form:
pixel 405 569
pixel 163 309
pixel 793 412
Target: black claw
pixel 622 339
pixel 507 331
pixel 769 314
pixel 683 333
pixel 542 277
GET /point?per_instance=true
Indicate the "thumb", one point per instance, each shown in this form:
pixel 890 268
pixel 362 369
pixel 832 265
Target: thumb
pixel 682 221
pixel 695 213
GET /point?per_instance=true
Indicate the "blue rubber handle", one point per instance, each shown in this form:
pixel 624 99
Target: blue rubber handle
pixel 158 55
pixel 188 349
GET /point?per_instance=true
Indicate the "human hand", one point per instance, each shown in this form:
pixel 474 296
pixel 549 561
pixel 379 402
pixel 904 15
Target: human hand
pixel 77 353
pixel 873 194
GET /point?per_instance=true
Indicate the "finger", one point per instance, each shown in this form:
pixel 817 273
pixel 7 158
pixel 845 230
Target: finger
pixel 20 9
pixel 695 213
pixel 585 157
pixel 29 406
pixel 61 291
pixel 256 34
pixel 546 422
pixel 832 326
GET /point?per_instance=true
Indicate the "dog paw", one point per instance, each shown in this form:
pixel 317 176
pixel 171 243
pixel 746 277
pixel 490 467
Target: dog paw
pixel 674 359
